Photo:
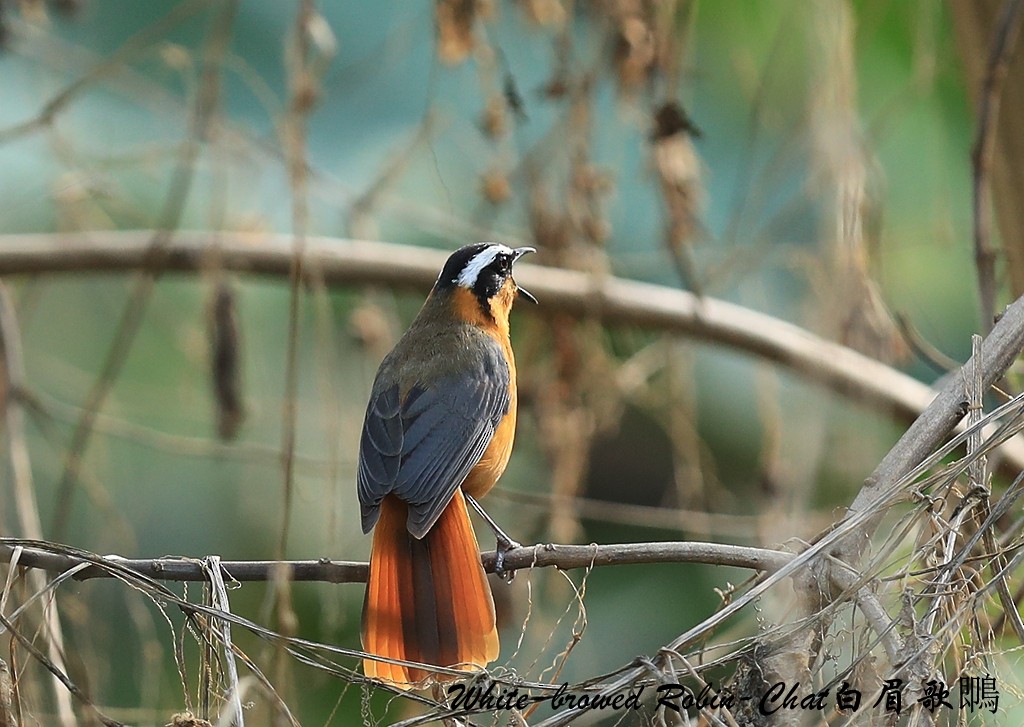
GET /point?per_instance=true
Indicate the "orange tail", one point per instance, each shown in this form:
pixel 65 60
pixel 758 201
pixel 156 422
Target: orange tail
pixel 427 600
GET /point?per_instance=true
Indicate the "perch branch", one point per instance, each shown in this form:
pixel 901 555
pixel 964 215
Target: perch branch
pixel 52 557
pixel 609 299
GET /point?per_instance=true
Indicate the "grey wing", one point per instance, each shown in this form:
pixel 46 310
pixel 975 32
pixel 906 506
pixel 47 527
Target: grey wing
pixel 380 451
pixel 422 448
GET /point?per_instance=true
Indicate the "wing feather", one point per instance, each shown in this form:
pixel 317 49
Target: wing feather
pixel 422 447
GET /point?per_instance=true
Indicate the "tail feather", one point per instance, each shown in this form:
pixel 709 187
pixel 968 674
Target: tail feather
pixel 427 600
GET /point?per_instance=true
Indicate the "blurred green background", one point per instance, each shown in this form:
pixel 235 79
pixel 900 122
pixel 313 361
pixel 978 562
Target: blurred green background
pixel 401 147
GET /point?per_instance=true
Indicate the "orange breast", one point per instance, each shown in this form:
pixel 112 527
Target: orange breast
pixel 491 466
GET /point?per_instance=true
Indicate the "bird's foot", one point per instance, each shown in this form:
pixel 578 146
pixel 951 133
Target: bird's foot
pixel 503 546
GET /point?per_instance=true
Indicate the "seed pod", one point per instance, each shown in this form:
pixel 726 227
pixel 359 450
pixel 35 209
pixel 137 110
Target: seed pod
pixel 225 361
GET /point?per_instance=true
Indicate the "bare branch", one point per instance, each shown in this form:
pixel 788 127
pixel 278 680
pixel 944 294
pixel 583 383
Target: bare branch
pixel 53 557
pixel 609 299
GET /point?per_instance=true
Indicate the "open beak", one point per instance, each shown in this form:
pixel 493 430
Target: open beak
pixel 520 251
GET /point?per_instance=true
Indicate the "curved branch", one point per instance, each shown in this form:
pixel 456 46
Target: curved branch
pixel 56 558
pixel 609 299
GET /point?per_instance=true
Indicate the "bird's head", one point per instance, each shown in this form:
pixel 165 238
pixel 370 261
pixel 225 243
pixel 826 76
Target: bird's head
pixel 482 273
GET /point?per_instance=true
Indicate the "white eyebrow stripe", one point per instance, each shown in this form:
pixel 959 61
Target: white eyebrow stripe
pixel 467 278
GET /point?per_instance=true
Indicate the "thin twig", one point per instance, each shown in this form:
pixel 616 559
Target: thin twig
pixel 294 143
pixel 110 66
pixel 155 254
pixel 39 656
pixel 980 483
pixel 46 408
pixel 693 522
pixel 925 349
pixel 975 393
pixel 29 522
pixel 881 622
pixel 981 154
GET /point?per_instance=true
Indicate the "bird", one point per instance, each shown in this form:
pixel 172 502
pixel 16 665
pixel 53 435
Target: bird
pixel 437 434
